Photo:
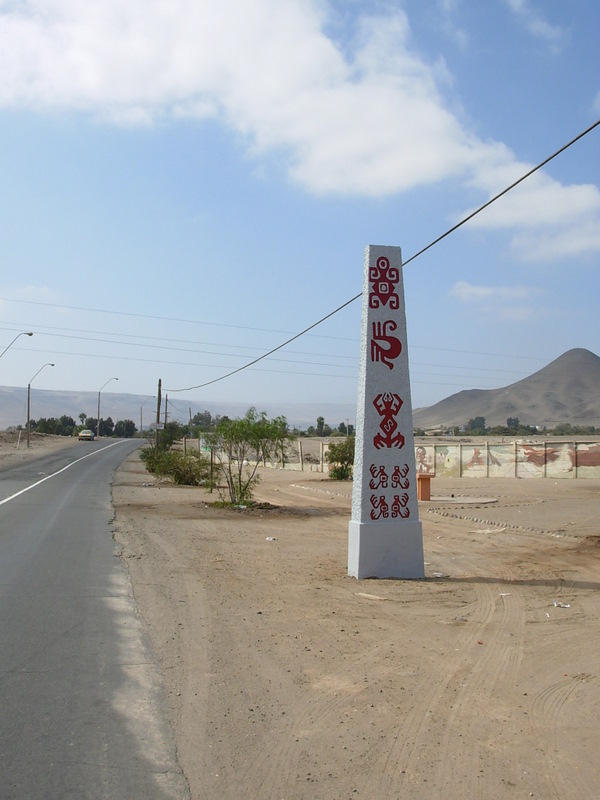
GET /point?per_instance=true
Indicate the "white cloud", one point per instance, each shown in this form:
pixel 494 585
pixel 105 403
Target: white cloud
pixel 539 200
pixel 564 242
pixel 469 293
pixel 535 23
pixel 384 129
pixel 448 10
pixel 28 293
pixel 503 303
pixel 370 125
pixel 364 121
pixel 549 220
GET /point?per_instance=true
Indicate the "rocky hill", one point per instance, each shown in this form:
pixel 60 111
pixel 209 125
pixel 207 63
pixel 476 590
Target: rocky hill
pixel 566 390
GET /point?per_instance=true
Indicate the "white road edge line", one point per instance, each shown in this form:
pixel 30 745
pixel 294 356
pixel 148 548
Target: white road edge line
pixel 47 478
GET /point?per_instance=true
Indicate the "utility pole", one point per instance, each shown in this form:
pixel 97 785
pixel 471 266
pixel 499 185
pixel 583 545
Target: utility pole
pixel 158 400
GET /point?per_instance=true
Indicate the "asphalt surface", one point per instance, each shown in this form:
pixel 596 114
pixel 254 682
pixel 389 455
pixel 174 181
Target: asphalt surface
pixel 82 708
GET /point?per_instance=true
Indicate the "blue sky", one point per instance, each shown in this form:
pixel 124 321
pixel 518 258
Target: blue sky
pixel 185 185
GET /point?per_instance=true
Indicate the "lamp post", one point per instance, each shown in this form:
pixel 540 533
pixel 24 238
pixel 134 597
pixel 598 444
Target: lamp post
pixel 48 364
pixel 23 333
pixel 99 390
pixel 153 397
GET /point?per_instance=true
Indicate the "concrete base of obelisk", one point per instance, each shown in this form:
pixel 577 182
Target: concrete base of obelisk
pixel 385 550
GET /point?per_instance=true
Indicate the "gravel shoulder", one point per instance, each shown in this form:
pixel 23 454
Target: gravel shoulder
pixel 288 679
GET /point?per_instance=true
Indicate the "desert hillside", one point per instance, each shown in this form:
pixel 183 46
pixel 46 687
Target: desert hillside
pixel 566 390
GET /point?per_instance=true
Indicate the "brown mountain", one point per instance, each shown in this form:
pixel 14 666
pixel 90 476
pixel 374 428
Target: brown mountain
pixel 566 390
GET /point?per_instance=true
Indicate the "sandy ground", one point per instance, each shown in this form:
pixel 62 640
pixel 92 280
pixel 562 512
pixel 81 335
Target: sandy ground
pixel 288 680
pixel 14 450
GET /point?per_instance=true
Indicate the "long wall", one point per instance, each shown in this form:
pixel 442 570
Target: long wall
pixel 547 459
pixel 514 460
pixel 483 459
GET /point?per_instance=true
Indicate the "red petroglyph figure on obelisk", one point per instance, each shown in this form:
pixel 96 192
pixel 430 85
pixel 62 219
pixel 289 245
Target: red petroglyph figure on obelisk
pixel 385 537
pixel 384 346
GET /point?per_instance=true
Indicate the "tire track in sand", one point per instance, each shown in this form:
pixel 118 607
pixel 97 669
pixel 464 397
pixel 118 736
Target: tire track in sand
pixel 547 709
pixel 427 744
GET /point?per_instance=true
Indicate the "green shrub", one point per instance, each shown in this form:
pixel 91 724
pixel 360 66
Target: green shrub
pixel 341 459
pixel 149 456
pixel 340 472
pixel 240 445
pixel 191 469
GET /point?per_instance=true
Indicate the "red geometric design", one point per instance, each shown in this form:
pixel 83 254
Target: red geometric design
pixel 380 507
pixel 379 479
pixel 384 279
pixel 384 347
pixel 387 406
pixel 399 506
pixel 399 477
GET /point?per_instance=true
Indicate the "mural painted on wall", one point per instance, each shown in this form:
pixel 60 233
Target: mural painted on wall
pixel 447 461
pixel 531 461
pixel 561 460
pixel 502 461
pixel 587 461
pixel 425 460
pixel 539 461
pixel 474 462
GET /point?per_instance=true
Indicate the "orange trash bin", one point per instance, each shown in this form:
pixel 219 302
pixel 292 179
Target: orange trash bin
pixel 423 486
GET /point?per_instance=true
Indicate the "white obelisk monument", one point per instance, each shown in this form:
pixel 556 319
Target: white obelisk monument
pixel 385 538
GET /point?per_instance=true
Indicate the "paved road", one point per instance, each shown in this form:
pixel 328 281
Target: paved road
pixel 82 713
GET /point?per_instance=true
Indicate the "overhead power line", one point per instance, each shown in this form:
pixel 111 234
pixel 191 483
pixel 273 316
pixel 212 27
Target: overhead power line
pixel 415 365
pixel 147 341
pixel 157 318
pixel 405 263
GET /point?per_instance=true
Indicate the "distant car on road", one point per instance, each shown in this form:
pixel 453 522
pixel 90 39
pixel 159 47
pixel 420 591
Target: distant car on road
pixel 86 436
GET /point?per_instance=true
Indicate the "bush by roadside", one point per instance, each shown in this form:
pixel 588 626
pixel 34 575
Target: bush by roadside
pixel 191 469
pixel 341 458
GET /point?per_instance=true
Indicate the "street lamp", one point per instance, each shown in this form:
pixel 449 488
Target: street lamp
pixel 29 397
pixel 99 390
pixel 153 397
pixel 23 333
